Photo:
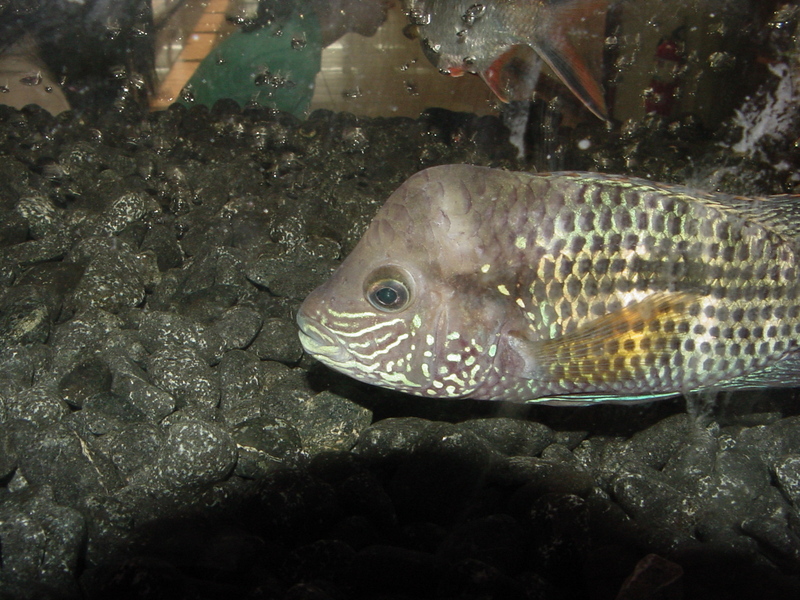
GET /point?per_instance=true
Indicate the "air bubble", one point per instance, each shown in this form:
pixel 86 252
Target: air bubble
pixel 32 79
pixel 473 13
pixel 720 61
pixel 419 17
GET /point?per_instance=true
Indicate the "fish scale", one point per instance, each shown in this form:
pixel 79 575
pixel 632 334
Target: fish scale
pixel 563 287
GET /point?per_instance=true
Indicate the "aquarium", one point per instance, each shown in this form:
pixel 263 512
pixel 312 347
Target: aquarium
pixel 399 299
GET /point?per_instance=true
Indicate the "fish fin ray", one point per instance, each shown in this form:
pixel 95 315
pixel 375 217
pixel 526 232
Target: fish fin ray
pixel 562 57
pixel 589 399
pixel 784 373
pixel 514 74
pixel 780 214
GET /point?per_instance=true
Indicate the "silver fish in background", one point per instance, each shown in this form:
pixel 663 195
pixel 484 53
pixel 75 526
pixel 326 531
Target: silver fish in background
pixel 563 287
pixel 504 41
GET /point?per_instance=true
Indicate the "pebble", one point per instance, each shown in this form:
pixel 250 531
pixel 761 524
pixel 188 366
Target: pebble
pixel 42 543
pixel 70 464
pixel 195 454
pixel 182 372
pixel 265 444
pixel 278 341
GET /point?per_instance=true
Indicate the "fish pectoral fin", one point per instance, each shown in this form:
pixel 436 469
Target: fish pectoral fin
pixel 514 74
pixel 612 349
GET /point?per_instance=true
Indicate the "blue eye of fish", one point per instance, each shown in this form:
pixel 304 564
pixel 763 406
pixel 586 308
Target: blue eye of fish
pixel 388 295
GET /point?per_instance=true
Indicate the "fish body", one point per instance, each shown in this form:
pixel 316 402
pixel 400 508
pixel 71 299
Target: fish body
pixel 505 41
pixel 563 287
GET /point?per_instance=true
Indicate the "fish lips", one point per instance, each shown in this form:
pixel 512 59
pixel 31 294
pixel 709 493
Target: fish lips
pixel 317 341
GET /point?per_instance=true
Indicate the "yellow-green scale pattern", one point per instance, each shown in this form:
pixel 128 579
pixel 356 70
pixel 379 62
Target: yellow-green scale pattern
pixel 723 291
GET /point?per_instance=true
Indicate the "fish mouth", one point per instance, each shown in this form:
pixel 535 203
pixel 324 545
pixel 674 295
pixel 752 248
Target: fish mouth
pixel 320 343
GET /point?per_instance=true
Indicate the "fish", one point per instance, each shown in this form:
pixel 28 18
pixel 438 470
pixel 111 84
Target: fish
pixel 505 42
pixel 563 288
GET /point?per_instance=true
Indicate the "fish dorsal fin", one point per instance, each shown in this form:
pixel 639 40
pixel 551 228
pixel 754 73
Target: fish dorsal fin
pixel 780 214
pixel 612 349
pixel 784 373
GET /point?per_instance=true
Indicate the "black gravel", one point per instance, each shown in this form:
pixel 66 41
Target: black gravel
pixel 162 435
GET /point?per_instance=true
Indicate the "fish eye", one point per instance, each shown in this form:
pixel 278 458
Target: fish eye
pixel 388 295
pixel 388 291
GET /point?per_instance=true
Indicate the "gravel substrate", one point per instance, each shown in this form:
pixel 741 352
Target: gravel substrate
pixel 162 435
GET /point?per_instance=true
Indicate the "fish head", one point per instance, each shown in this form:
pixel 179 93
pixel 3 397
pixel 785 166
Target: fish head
pixel 400 311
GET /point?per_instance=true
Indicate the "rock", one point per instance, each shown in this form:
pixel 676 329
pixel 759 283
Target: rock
pixel 472 578
pixel 152 401
pixel 42 540
pixel 40 404
pixel 73 340
pixel 114 279
pixel 236 327
pixel 325 421
pixel 126 209
pixel 278 341
pixel 787 474
pixel 107 521
pixel 182 373
pixel 59 457
pixel 655 445
pixel 647 498
pixel 133 447
pixel 512 437
pixel 161 331
pixel 160 240
pixel 292 506
pixel 24 316
pixel 325 560
pixel 560 529
pixel 41 215
pixel 8 454
pixel 195 454
pixel 390 440
pixel 296 273
pixel 265 444
pixel 85 380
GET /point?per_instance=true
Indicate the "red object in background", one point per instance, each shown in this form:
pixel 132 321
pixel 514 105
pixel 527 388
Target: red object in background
pixel 667 77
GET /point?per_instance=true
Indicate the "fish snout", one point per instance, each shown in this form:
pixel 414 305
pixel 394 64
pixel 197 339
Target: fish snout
pixel 317 340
